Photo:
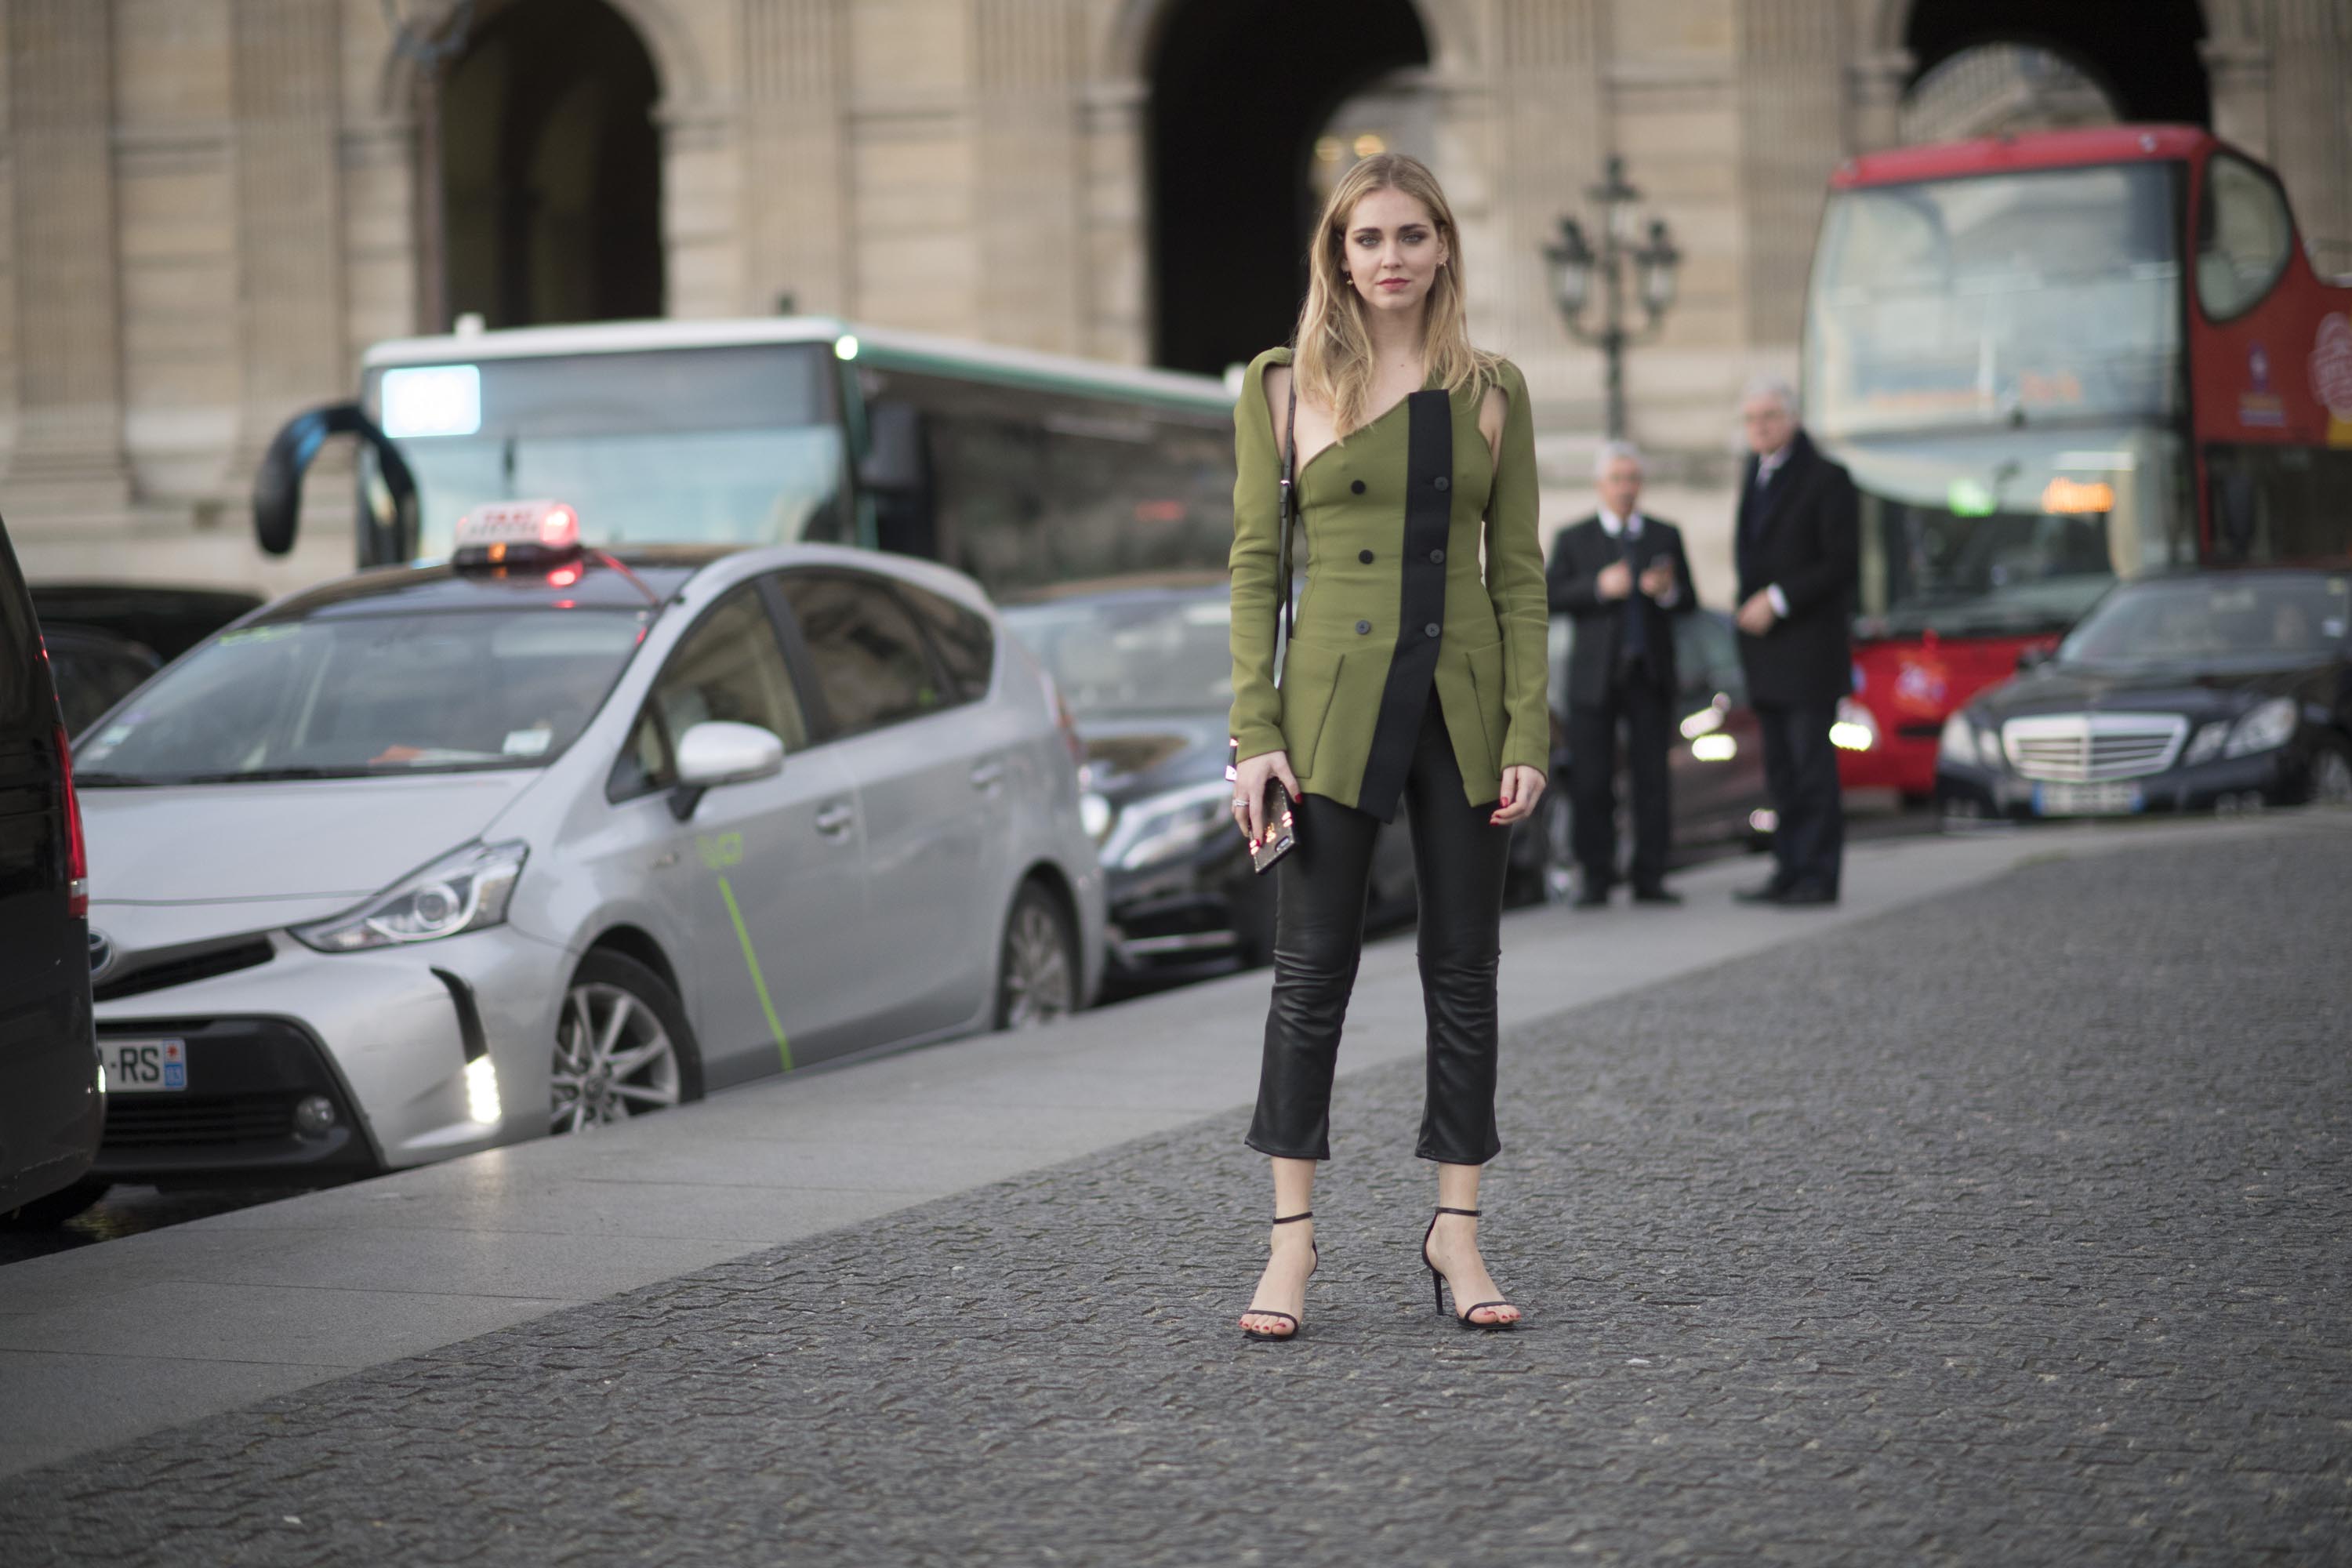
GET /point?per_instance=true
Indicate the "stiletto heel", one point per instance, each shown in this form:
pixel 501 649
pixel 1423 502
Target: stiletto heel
pixel 1285 1317
pixel 1438 1281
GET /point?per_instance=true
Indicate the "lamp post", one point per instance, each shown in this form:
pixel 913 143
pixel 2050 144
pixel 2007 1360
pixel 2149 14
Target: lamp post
pixel 1652 259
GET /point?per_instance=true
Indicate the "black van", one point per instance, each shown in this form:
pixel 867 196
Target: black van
pixel 51 1112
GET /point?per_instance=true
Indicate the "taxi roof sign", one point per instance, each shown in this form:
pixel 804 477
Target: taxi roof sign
pixel 499 531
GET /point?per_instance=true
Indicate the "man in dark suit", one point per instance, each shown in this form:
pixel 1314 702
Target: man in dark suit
pixel 1621 576
pixel 1797 542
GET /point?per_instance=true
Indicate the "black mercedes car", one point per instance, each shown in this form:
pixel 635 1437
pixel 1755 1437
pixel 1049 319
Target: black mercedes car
pixel 2216 690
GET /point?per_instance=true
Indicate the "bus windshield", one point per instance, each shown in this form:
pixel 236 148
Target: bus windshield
pixel 2011 534
pixel 733 446
pixel 1999 298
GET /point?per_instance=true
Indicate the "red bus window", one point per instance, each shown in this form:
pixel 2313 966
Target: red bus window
pixel 2243 237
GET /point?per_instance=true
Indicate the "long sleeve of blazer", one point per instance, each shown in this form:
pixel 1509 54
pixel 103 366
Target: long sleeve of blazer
pixel 1491 675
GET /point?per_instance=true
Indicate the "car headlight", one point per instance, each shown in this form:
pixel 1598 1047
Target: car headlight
pixel 1162 827
pixel 2207 744
pixel 1856 729
pixel 1096 815
pixel 2268 727
pixel 459 892
pixel 1965 744
pixel 1958 741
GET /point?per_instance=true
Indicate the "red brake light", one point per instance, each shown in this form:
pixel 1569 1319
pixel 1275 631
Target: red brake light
pixel 77 851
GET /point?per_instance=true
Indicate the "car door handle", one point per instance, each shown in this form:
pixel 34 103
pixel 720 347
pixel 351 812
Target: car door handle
pixel 835 820
pixel 988 775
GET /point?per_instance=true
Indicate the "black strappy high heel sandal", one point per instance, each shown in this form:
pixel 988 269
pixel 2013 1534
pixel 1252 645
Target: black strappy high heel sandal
pixel 1261 1313
pixel 1438 1281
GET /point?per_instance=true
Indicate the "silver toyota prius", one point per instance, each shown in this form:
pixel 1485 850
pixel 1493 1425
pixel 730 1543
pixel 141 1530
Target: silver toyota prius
pixel 431 858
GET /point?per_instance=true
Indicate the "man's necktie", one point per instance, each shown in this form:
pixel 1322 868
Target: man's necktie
pixel 1636 645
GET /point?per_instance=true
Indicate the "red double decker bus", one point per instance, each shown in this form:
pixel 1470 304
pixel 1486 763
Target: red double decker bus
pixel 2052 361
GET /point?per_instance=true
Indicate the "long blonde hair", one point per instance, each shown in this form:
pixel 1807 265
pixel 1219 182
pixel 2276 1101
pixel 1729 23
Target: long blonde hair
pixel 1333 353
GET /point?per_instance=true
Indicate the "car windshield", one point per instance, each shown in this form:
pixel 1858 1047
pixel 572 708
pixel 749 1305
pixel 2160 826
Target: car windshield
pixel 2231 622
pixel 350 696
pixel 731 446
pixel 1133 656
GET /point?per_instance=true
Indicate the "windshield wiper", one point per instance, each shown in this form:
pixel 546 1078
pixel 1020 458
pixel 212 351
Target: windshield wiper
pixel 267 775
pixel 118 780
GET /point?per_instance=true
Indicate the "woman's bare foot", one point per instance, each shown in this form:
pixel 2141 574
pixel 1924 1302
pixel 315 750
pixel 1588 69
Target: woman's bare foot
pixel 1282 1289
pixel 1453 1247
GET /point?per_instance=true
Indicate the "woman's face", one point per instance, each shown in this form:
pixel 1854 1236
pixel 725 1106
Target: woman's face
pixel 1392 250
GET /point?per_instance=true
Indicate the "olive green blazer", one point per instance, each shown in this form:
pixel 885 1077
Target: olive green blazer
pixel 1491 667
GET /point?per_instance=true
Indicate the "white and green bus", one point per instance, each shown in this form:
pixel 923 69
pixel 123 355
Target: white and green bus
pixel 1021 469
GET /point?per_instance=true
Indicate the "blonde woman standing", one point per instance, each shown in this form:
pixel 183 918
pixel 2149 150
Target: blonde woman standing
pixel 1411 678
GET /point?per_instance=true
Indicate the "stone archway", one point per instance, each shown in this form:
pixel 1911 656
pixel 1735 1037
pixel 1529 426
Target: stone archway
pixel 2146 57
pixel 672 83
pixel 1236 94
pixel 550 168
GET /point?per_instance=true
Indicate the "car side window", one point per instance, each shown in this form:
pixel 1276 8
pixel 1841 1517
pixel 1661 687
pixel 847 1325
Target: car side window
pixel 964 641
pixel 728 667
pixel 863 651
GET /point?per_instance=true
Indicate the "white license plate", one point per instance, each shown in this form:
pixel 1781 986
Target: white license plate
pixel 144 1067
pixel 2086 799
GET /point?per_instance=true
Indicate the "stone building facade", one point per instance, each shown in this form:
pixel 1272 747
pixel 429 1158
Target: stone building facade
pixel 212 206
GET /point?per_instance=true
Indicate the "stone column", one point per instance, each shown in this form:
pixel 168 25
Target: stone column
pixel 1116 313
pixel 795 180
pixel 1791 135
pixel 2311 124
pixel 1875 85
pixel 1025 63
pixel 2238 75
pixel 1547 125
pixel 69 458
pixel 290 239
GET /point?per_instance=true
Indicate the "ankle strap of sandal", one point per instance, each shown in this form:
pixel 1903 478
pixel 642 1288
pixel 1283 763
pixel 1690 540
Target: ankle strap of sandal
pixel 1291 1218
pixel 1471 1213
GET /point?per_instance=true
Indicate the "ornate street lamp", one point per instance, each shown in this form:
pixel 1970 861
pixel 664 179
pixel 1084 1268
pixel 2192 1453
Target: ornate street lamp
pixel 1652 261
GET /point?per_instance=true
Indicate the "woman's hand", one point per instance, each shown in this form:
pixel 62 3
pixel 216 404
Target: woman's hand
pixel 1522 787
pixel 1249 791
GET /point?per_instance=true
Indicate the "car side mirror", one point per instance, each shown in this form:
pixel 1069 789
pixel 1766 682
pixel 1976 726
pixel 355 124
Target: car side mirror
pixel 2032 659
pixel 716 752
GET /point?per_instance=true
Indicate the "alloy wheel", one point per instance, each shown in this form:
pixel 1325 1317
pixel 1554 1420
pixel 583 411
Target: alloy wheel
pixel 1038 985
pixel 613 1059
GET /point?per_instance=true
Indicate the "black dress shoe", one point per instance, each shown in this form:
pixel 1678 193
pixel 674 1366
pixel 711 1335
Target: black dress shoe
pixel 1761 893
pixel 1801 897
pixel 1591 898
pixel 1656 896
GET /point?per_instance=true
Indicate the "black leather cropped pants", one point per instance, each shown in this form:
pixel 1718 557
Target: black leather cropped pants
pixel 1459 861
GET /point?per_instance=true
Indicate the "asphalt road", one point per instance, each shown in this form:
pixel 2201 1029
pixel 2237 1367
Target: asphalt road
pixel 2007 1231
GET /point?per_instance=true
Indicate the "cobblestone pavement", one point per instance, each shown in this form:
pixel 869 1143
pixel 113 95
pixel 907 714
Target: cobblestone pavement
pixel 2010 1230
